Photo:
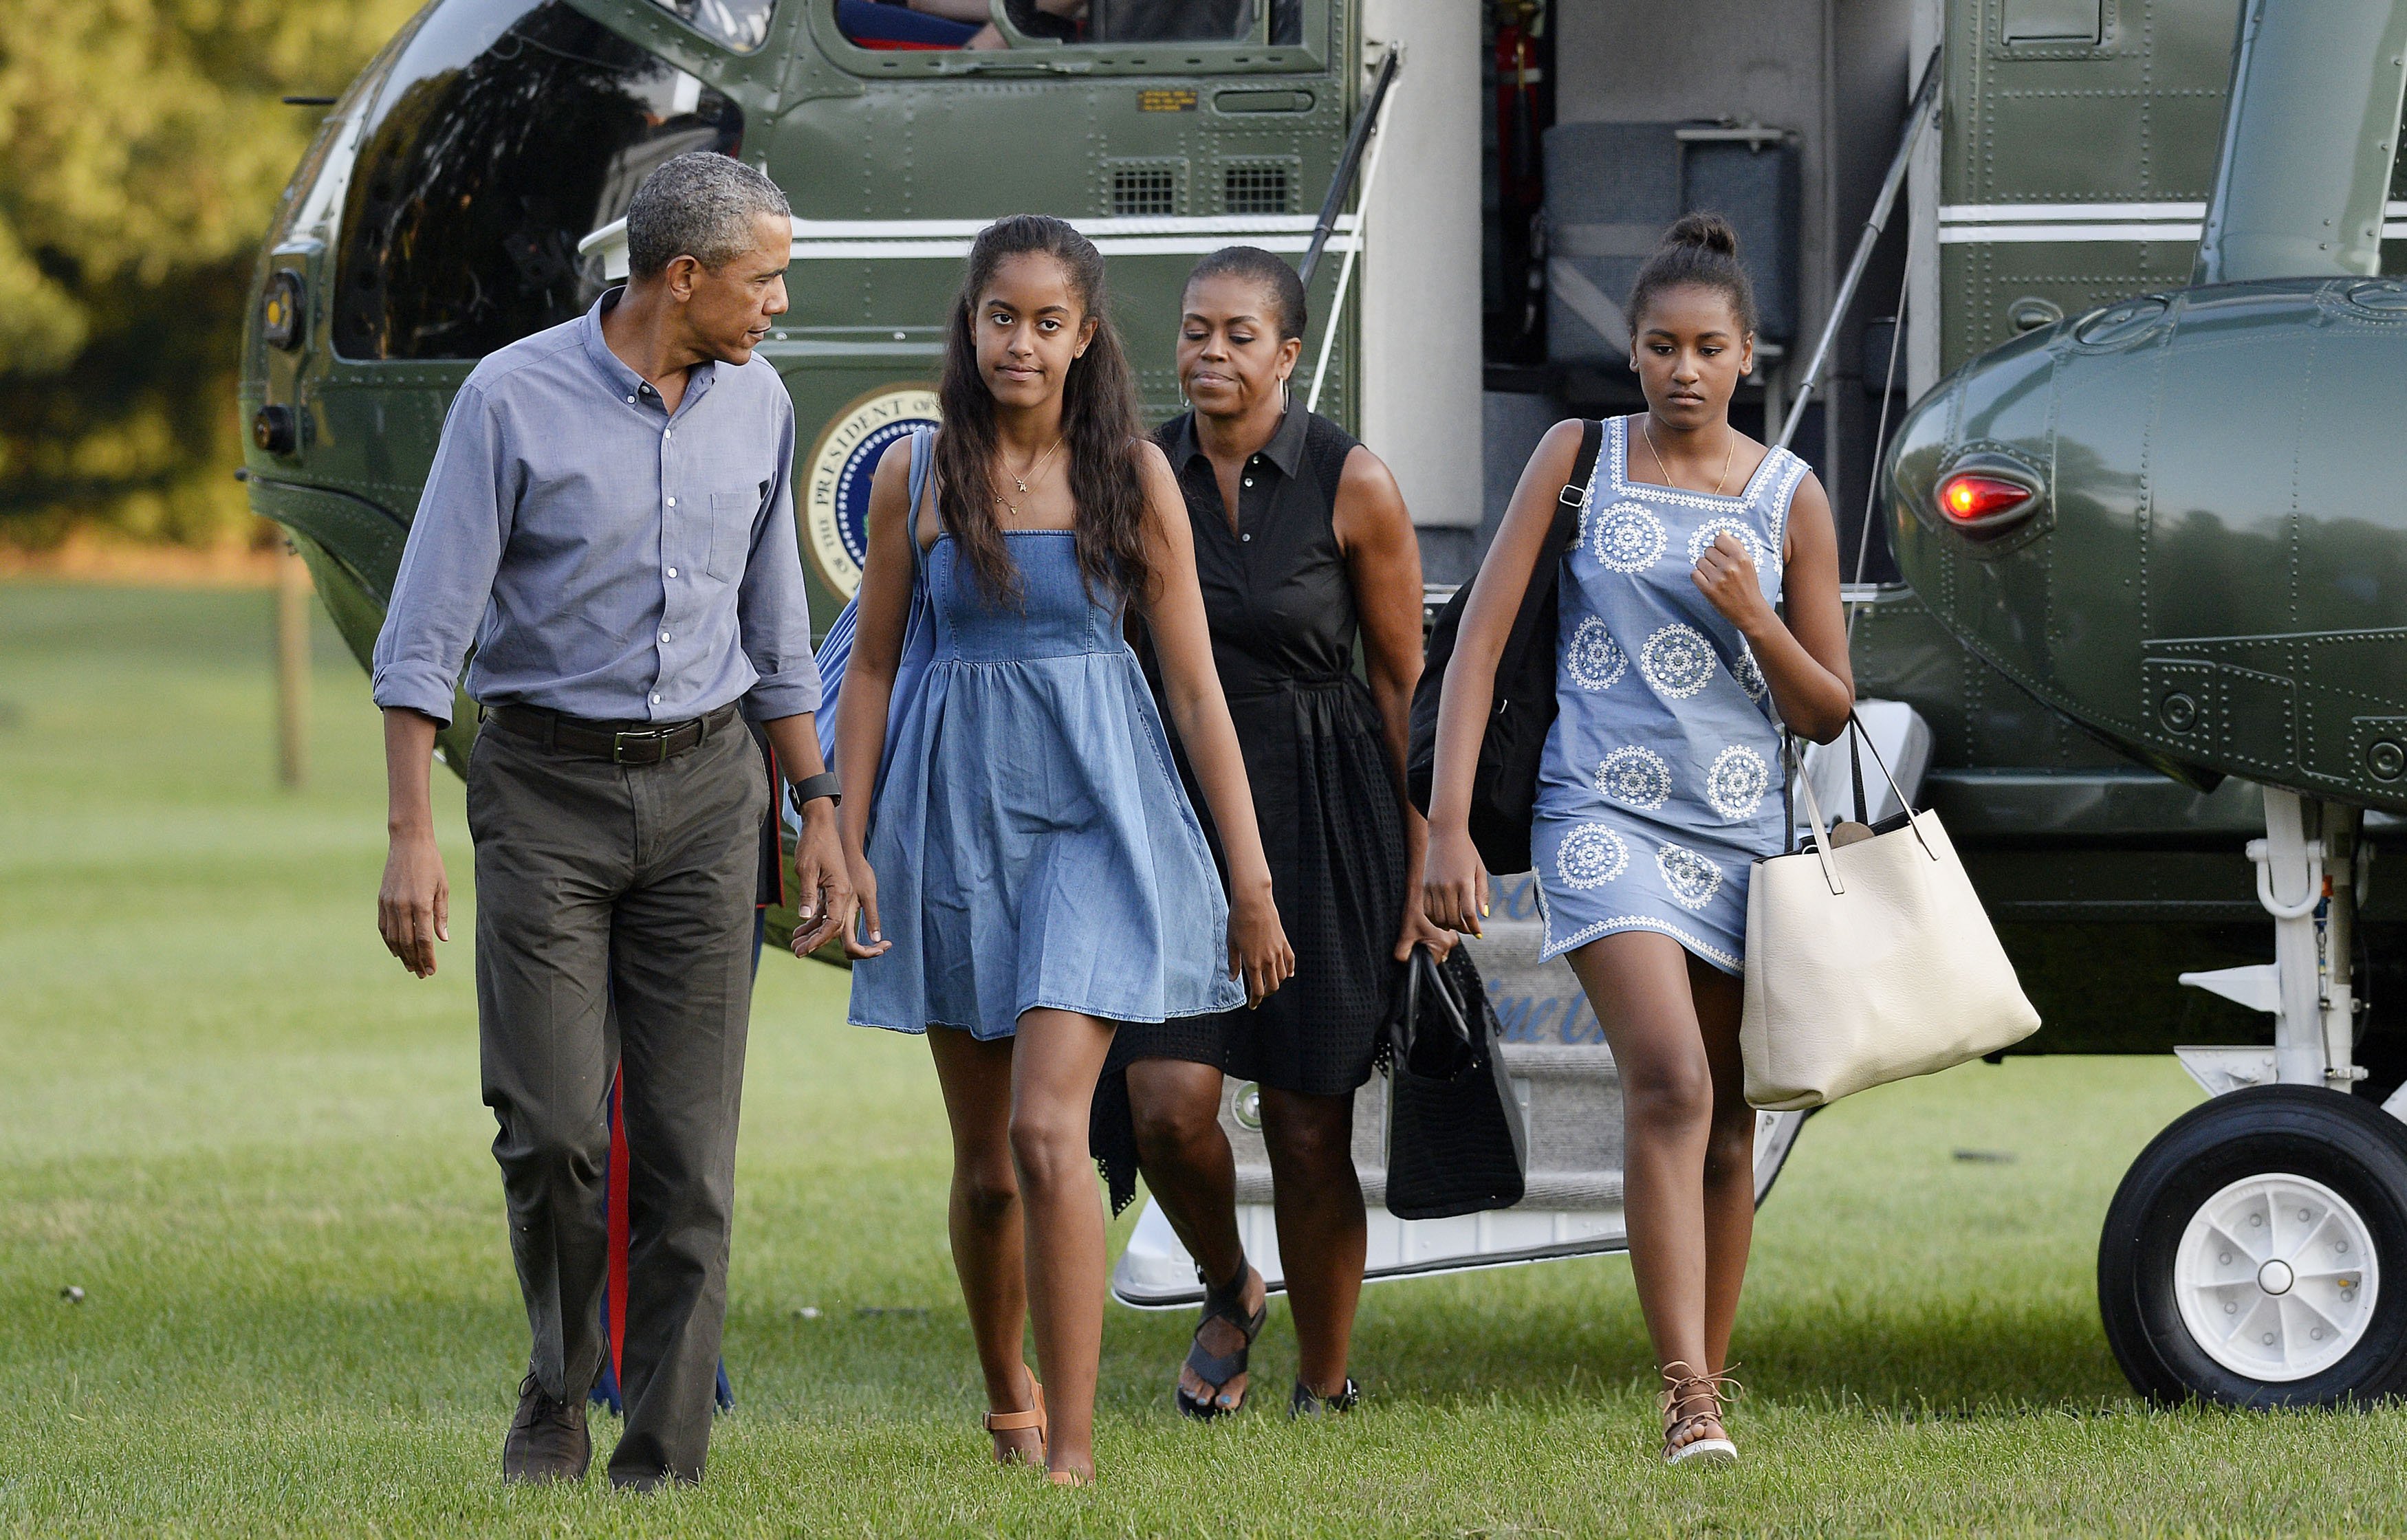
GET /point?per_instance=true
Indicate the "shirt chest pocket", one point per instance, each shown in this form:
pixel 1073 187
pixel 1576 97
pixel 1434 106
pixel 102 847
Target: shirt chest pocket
pixel 730 533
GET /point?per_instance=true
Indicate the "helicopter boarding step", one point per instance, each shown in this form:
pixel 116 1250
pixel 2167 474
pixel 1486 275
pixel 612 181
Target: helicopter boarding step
pixel 1561 1073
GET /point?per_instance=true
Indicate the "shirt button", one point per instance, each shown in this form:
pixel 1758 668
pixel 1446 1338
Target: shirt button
pixel 672 502
pixel 631 401
pixel 668 433
pixel 1249 480
pixel 672 571
pixel 1245 537
pixel 656 700
pixel 664 636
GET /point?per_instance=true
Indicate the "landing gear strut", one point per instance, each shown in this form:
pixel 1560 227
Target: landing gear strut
pixel 2256 1254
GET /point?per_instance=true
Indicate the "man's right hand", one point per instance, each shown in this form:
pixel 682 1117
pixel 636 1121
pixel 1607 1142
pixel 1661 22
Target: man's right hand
pixel 414 905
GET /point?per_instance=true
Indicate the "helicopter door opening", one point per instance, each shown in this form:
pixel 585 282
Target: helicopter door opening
pixel 1599 126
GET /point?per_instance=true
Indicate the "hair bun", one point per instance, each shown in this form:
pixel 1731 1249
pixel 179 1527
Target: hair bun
pixel 1709 231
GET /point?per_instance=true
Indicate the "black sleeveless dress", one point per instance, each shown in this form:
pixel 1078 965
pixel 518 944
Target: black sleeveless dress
pixel 1281 608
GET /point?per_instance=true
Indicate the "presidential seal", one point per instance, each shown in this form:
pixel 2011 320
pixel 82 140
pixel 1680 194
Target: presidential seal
pixel 836 476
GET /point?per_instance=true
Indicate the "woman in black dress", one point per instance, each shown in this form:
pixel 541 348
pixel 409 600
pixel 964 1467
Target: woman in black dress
pixel 1301 539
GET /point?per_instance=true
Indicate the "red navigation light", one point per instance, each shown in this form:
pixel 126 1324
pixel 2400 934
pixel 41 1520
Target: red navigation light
pixel 1972 500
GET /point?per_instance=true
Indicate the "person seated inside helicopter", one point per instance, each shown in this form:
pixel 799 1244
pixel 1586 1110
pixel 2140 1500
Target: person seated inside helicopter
pixel 968 23
pixel 925 24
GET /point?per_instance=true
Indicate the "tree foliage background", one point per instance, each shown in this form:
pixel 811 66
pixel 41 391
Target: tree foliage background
pixel 142 147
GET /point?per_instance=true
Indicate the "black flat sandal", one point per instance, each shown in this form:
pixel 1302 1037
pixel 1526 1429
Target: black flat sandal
pixel 1227 1303
pixel 1306 1402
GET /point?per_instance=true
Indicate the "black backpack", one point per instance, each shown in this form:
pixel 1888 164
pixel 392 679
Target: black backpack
pixel 1504 788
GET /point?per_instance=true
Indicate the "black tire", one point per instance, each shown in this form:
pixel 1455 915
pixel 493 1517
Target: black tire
pixel 2355 1148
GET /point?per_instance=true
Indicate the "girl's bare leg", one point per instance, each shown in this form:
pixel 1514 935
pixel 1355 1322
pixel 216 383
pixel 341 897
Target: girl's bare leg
pixel 1637 983
pixel 1729 1157
pixel 1058 1058
pixel 984 1217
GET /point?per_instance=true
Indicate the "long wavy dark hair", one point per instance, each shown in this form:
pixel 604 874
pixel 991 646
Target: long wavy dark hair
pixel 1098 424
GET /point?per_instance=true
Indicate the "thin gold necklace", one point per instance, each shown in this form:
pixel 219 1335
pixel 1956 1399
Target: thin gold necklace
pixel 1021 482
pixel 1646 427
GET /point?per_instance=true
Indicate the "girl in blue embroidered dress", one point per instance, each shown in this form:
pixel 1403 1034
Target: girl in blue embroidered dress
pixel 1660 785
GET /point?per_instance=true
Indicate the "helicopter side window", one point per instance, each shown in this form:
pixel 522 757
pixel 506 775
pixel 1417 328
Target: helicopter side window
pixel 506 130
pixel 740 24
pixel 1177 21
pixel 1153 20
pixel 918 25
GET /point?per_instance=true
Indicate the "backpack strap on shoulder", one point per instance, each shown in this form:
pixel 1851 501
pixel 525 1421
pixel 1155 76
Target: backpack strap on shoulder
pixel 923 466
pixel 1573 496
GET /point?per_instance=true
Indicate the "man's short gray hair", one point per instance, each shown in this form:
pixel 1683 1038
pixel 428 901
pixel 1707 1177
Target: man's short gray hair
pixel 703 206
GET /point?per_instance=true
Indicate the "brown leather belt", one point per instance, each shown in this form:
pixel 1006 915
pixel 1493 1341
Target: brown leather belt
pixel 621 743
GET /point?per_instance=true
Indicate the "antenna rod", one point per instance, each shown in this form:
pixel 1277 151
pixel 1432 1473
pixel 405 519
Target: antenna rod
pixel 1343 183
pixel 1926 99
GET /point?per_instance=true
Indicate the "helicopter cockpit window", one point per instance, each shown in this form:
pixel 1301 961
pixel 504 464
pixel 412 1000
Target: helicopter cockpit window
pixel 741 24
pixel 506 130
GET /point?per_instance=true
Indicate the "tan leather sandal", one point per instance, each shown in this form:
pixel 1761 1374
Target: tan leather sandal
pixel 1685 1419
pixel 1014 1422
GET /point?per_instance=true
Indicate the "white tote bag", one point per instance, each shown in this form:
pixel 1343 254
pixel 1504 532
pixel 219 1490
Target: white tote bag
pixel 1869 962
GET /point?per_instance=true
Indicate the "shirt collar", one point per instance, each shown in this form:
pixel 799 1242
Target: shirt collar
pixel 625 381
pixel 1284 449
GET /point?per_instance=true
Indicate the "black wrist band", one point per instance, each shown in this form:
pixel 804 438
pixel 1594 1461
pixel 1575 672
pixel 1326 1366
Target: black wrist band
pixel 812 786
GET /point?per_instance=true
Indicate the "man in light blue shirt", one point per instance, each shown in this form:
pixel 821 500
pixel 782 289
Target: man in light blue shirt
pixel 609 521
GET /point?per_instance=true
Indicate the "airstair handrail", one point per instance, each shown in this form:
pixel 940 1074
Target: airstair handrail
pixel 1924 107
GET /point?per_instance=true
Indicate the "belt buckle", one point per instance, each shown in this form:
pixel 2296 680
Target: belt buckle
pixel 620 742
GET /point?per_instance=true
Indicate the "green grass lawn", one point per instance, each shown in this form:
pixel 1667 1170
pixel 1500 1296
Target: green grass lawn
pixel 256 1146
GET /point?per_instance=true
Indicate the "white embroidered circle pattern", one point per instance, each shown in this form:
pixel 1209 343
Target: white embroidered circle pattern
pixel 1628 538
pixel 1692 878
pixel 1749 674
pixel 1592 856
pixel 1635 777
pixel 1677 660
pixel 1737 780
pixel 1738 529
pixel 1595 658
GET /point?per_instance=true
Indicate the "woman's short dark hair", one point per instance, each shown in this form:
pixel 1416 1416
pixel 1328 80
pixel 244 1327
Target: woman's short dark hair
pixel 1255 265
pixel 1700 250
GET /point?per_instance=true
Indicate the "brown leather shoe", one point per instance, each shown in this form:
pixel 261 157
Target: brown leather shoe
pixel 548 1440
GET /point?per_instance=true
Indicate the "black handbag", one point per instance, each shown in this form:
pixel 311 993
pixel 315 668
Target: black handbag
pixel 1456 1140
pixel 1504 788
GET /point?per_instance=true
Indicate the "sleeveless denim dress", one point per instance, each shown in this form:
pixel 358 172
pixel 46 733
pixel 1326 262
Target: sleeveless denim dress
pixel 1659 787
pixel 1031 842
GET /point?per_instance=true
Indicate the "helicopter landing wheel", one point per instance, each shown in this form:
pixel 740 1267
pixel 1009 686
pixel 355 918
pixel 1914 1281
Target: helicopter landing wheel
pixel 2256 1254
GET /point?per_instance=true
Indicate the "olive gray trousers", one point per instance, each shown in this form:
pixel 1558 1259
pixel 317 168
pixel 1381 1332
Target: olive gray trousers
pixel 614 930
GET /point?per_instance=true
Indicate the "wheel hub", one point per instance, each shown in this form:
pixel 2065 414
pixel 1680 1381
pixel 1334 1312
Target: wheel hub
pixel 2276 1276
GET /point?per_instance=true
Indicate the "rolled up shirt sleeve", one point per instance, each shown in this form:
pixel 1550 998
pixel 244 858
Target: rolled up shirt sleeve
pixel 446 581
pixel 773 609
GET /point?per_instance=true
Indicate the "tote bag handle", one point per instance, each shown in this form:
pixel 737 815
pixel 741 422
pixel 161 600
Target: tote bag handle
pixel 1814 807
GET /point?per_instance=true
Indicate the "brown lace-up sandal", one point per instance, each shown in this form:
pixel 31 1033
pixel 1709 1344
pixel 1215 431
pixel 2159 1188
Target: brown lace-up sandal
pixel 1692 1404
pixel 1014 1422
